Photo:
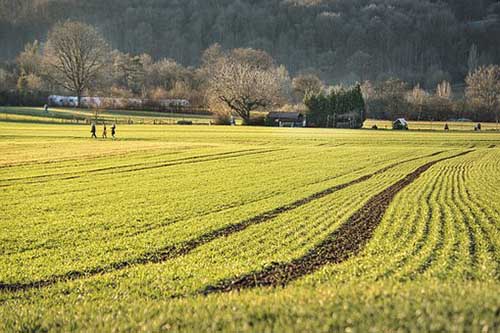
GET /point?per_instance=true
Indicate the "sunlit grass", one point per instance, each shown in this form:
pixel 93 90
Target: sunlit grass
pixel 108 208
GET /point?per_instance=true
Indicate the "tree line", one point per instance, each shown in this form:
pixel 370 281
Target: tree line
pixel 342 41
pixel 76 59
pixel 340 107
pixel 479 100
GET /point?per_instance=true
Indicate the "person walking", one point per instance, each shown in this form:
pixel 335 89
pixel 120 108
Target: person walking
pixel 93 130
pixel 113 130
pixel 446 127
pixel 104 132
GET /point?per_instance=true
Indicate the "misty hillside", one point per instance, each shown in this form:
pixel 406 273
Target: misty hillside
pixel 419 41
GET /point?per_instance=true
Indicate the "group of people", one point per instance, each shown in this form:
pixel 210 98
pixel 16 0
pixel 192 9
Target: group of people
pixel 93 130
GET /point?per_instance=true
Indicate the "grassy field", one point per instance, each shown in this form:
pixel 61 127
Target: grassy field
pixel 171 228
pixel 434 125
pixel 81 116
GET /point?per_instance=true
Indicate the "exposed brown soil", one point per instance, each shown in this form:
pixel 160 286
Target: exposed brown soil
pixel 345 242
pixel 184 248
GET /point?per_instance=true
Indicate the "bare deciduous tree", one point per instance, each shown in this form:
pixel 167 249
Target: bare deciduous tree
pixel 444 90
pixel 417 98
pixel 387 99
pixel 256 58
pixel 306 83
pixel 6 80
pixel 243 87
pixel 483 89
pixel 74 55
pixel 29 61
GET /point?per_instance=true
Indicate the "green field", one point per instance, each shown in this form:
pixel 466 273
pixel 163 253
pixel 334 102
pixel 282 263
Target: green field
pixel 434 125
pixel 171 228
pixel 82 116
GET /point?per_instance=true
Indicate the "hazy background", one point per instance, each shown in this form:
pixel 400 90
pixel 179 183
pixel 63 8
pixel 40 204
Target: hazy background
pixel 341 40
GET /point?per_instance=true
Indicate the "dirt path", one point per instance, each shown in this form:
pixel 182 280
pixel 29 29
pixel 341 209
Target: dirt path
pixel 347 241
pixel 185 248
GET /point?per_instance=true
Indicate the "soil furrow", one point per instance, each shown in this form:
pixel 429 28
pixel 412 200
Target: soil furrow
pixel 174 251
pixel 88 158
pixel 138 167
pixel 347 241
pixel 168 222
pixel 124 166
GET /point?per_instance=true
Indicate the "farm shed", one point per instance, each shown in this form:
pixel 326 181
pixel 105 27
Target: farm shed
pixel 353 119
pixel 400 124
pixel 286 119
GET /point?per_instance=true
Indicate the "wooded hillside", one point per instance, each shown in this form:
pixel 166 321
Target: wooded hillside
pixel 343 40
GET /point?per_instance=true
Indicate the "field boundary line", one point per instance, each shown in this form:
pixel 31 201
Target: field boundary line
pixel 186 247
pixel 345 242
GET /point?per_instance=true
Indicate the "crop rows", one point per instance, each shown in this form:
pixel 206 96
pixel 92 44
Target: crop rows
pixel 154 227
pixel 286 236
pixel 187 246
pixel 343 243
pixel 357 226
pixel 116 170
pixel 448 230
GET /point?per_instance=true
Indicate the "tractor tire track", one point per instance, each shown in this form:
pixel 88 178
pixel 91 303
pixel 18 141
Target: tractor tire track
pixel 168 222
pixel 145 228
pixel 174 251
pixel 90 158
pixel 124 166
pixel 137 167
pixel 347 241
